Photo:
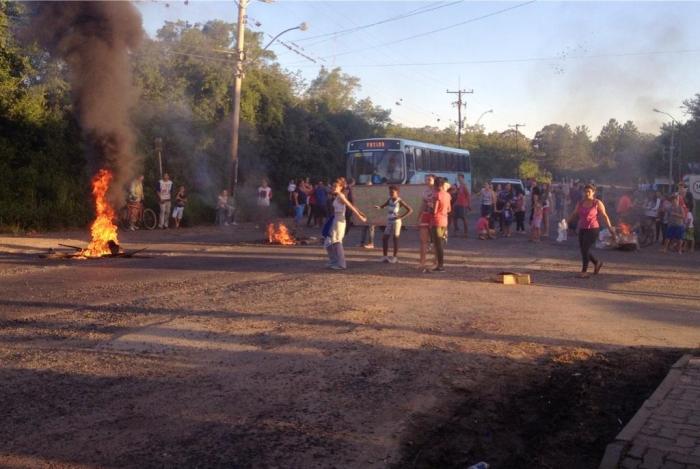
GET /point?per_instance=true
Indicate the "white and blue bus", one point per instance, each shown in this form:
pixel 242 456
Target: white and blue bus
pixel 401 161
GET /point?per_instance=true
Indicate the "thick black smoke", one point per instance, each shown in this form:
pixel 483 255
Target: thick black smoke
pixel 94 39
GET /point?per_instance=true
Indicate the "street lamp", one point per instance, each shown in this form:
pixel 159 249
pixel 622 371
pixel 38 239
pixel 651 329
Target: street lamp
pixel 674 123
pixel 237 83
pixel 302 27
pixel 482 115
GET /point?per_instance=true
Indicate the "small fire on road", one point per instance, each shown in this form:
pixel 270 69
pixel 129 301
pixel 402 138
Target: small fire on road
pixel 103 229
pixel 280 234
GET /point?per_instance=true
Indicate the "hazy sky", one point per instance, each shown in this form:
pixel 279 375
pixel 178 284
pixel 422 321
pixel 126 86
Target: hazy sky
pixel 531 62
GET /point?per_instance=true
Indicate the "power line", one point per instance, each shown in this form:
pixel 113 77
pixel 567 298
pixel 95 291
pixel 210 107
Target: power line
pixel 532 59
pixel 418 11
pixel 462 23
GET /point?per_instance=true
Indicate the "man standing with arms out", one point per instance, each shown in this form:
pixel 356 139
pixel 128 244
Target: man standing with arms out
pixel 165 187
pixel 135 201
pixel 462 204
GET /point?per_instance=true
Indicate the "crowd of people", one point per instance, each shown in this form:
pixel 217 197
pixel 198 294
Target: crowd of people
pixel 164 192
pixel 665 219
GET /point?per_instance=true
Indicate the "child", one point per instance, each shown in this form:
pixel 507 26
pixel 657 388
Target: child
pixel 536 224
pixel 482 228
pixel 689 232
pixel 180 202
pixel 393 222
pixel 507 217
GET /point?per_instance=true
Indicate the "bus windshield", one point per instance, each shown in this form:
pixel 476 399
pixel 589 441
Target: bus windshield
pixel 377 166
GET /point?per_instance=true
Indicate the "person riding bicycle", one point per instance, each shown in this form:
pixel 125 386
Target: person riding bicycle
pixel 135 202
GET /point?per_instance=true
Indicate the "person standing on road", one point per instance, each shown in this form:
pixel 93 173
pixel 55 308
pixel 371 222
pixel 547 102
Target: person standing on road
pixel 462 205
pixel 263 201
pixel 336 254
pixel 299 202
pixel 586 214
pixel 135 202
pixel 393 223
pixel 222 208
pixel 519 201
pixel 438 223
pixel 425 214
pixel 676 222
pixel 487 200
pixel 180 202
pixel 165 187
pixel 320 209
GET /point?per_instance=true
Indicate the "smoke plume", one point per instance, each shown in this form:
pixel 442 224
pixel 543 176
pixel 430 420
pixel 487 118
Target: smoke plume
pixel 94 39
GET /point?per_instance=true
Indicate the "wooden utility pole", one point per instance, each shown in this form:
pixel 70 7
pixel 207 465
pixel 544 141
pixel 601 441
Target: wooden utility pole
pixel 516 127
pixel 238 81
pixel 459 104
pixel 159 153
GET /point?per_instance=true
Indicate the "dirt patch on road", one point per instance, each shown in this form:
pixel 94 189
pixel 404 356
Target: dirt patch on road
pixel 561 413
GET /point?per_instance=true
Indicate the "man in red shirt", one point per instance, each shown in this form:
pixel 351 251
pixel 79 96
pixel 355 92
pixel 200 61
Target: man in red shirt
pixel 462 204
pixel 439 223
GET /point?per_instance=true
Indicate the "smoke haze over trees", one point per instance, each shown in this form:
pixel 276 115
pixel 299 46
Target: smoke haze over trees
pixel 289 128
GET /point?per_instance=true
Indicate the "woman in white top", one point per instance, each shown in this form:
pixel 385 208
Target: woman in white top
pixel 334 247
pixel 487 200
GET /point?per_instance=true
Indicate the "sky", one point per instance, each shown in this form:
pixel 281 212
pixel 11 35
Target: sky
pixel 530 62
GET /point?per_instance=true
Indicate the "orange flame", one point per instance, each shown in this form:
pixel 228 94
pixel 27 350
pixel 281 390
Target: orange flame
pixel 281 235
pixel 624 229
pixel 103 229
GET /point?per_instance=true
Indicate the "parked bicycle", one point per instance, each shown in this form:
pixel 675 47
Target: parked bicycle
pixel 146 217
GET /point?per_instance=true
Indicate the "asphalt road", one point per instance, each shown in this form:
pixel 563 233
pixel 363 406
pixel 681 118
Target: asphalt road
pixel 213 349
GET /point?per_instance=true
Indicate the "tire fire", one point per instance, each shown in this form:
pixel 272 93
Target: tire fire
pixel 279 235
pixel 103 229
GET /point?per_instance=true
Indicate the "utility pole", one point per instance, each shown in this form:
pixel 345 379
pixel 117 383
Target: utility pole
pixel 238 81
pixel 516 126
pixel 459 104
pixel 159 153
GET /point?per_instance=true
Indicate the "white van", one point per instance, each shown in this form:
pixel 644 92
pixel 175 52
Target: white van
pixel 517 184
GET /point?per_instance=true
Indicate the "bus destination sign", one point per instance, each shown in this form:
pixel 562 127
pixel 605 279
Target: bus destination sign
pixel 375 145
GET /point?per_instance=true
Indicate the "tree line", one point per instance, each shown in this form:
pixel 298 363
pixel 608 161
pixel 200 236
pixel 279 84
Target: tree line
pixel 289 128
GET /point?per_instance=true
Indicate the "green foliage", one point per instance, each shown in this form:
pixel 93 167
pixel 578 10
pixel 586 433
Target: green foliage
pixel 288 129
pixel 42 168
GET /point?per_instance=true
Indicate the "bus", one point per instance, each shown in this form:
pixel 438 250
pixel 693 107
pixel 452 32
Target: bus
pixel 401 161
pixel 375 163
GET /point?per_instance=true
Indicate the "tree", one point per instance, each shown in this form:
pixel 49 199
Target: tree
pixel 333 90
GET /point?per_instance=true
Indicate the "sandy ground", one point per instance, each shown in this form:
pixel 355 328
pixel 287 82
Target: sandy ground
pixel 219 351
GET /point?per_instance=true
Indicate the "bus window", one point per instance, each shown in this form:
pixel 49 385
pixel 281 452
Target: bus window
pixel 434 161
pixel 420 165
pixel 451 162
pixel 467 163
pixel 442 161
pixel 410 164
